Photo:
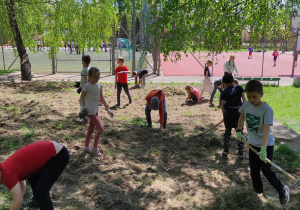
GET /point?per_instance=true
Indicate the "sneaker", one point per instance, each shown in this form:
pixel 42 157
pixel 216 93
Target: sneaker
pixel 225 154
pixel 117 105
pixel 130 102
pixel 86 150
pixel 284 195
pixel 241 156
pixel 95 151
pixel 100 104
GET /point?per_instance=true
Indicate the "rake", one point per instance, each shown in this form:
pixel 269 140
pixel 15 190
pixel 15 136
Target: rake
pixel 204 132
pixel 297 185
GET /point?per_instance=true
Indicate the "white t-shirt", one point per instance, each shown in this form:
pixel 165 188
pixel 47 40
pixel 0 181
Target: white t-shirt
pixel 92 97
pixel 230 66
pixel 256 118
pixel 84 73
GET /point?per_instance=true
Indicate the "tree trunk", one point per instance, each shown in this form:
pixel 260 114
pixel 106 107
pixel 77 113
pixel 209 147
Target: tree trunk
pixel 24 59
pixel 154 52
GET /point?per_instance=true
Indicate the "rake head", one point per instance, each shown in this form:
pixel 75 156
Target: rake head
pixel 297 185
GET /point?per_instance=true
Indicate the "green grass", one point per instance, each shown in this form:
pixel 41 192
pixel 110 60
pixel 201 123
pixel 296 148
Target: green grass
pixel 66 62
pixel 284 156
pixel 7 71
pixel 285 104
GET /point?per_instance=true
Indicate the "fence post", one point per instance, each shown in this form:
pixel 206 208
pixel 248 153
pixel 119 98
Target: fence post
pixel 2 48
pixel 112 60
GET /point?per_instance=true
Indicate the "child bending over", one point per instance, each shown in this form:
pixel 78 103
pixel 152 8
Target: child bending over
pixel 194 95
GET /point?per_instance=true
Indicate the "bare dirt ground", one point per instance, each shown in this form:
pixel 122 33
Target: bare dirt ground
pixel 140 168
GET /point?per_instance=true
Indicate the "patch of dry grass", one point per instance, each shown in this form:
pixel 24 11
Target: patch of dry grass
pixel 140 168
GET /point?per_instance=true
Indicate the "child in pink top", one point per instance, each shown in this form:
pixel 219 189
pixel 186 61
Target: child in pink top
pixel 194 95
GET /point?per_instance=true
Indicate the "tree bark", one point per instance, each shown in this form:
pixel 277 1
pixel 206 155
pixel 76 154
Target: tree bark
pixel 24 59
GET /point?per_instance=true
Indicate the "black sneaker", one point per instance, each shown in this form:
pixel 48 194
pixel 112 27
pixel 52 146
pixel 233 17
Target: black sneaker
pixel 284 195
pixel 225 154
pixel 241 156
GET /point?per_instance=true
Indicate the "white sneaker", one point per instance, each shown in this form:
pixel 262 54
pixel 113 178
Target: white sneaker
pixel 86 150
pixel 95 151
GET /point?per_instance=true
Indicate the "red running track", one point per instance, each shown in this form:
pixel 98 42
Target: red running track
pixel 188 66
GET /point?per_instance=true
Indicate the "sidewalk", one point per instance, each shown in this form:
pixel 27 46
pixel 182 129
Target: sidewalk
pixel 285 81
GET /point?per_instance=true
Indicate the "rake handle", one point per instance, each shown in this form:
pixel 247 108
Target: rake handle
pixel 271 163
pixel 210 129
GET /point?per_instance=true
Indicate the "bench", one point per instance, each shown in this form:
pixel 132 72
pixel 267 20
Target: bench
pixel 276 79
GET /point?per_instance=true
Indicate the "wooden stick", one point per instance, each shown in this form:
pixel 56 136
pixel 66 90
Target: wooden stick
pixel 207 130
pixel 273 164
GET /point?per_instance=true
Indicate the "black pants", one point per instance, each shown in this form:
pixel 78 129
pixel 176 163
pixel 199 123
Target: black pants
pixel 148 114
pixel 193 97
pixel 119 90
pixel 231 119
pixel 42 182
pixel 226 73
pixel 256 165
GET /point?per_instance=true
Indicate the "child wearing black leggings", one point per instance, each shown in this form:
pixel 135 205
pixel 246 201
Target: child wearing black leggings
pixel 41 163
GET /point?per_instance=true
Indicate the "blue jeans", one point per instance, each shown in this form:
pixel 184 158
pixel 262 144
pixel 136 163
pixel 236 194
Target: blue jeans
pixel 216 87
pixel 148 114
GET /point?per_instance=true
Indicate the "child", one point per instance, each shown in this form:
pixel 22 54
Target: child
pixel 121 80
pixel 193 95
pixel 250 49
pixel 207 84
pixel 235 82
pixel 259 118
pixel 41 163
pixel 218 85
pixel 86 60
pixel 142 74
pixel 275 54
pixel 89 98
pixel 231 102
pixel 156 101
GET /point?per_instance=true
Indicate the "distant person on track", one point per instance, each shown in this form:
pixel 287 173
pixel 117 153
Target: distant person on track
pixel 230 66
pixel 250 49
pixel 275 56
